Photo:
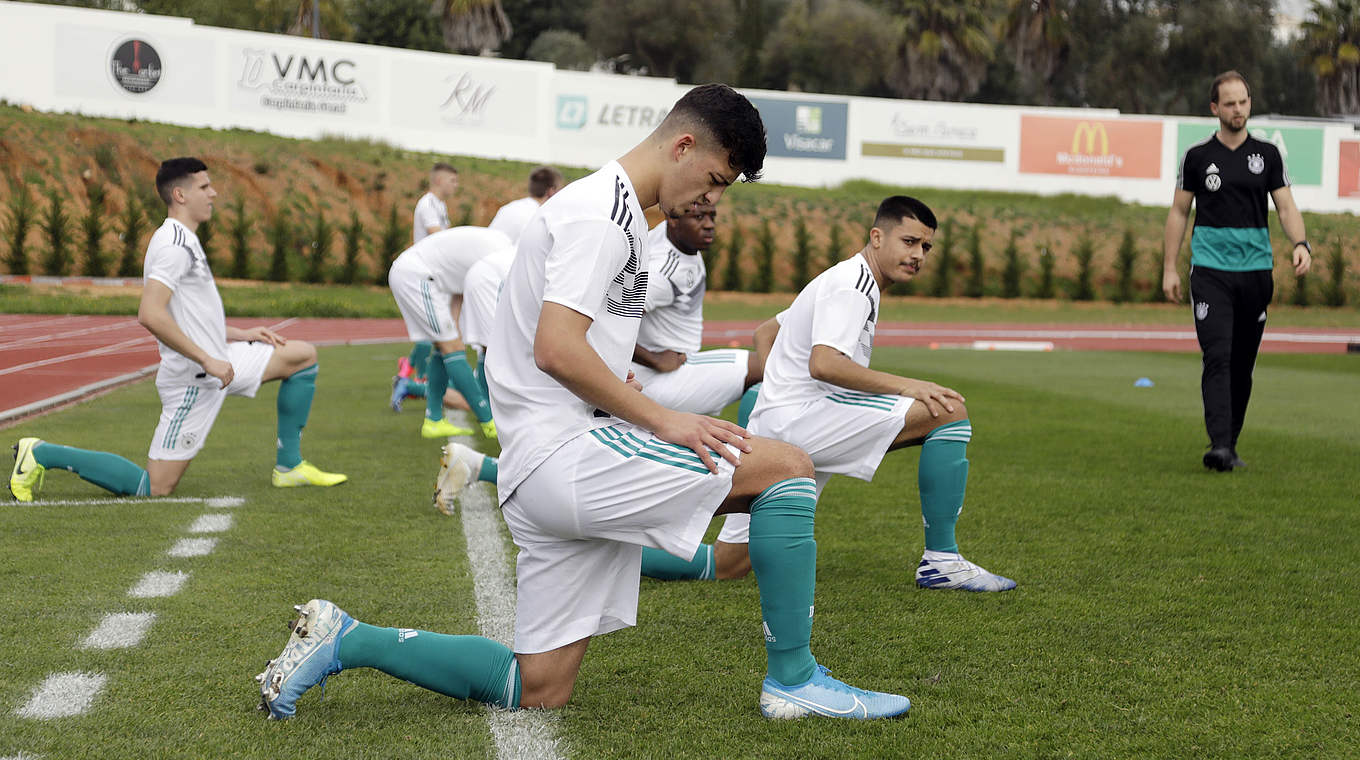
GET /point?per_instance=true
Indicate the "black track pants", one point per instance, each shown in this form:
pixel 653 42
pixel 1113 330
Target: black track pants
pixel 1230 315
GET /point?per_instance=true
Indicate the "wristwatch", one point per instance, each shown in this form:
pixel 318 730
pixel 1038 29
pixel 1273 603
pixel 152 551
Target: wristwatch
pixel 1305 245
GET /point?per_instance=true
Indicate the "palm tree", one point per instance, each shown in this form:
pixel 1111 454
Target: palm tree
pixel 1037 33
pixel 1331 44
pixel 944 50
pixel 473 26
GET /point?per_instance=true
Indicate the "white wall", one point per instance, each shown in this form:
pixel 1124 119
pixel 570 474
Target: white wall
pixel 529 111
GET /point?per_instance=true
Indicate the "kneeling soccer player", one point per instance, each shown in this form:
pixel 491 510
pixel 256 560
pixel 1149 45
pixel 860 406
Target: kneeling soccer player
pixel 203 361
pixel 594 470
pixel 820 395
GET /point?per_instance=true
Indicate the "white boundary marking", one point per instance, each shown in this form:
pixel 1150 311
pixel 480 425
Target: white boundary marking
pixel 522 733
pixel 215 502
pixel 158 583
pixel 21 756
pixel 192 547
pixel 119 630
pixel 224 502
pixel 63 695
pixel 211 523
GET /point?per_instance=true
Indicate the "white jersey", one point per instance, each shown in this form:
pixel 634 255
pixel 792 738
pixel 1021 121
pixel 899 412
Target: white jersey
pixel 447 255
pixel 513 216
pixel 481 292
pixel 676 282
pixel 175 258
pixel 430 212
pixel 838 309
pixel 585 249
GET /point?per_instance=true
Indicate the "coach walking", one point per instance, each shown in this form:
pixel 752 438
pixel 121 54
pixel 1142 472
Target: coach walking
pixel 1228 176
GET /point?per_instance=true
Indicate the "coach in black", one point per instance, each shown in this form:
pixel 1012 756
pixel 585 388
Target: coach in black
pixel 1228 176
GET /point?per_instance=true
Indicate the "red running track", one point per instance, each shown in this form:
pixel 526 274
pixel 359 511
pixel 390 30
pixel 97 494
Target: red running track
pixel 50 360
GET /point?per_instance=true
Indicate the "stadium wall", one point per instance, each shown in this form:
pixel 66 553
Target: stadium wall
pixel 164 69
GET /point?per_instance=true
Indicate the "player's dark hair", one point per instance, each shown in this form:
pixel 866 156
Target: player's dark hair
pixel 1227 76
pixel 732 121
pixel 173 172
pixel 895 208
pixel 543 179
pixel 443 167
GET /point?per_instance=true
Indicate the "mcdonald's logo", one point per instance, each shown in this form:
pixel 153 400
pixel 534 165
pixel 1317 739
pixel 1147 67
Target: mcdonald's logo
pixel 1091 131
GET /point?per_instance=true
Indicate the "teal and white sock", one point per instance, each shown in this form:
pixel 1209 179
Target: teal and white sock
pixel 420 353
pixel 108 471
pixel 784 558
pixel 942 478
pixel 668 567
pixel 294 406
pixel 748 402
pixel 484 467
pixel 463 667
pixel 460 376
pixel 436 382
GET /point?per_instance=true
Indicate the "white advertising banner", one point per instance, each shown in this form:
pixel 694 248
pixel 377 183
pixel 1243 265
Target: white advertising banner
pixel 597 118
pixel 925 131
pixel 328 83
pixel 125 64
pixel 467 94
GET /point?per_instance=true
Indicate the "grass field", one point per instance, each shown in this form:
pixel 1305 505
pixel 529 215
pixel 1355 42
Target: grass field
pixel 1162 611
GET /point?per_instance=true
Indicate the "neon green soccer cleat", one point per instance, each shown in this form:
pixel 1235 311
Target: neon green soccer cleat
pixel 26 480
pixel 306 474
pixel 441 429
pixel 489 429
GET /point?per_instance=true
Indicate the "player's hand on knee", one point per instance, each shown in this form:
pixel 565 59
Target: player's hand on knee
pixel 702 434
pixel 262 334
pixel 220 369
pixel 632 382
pixel 936 398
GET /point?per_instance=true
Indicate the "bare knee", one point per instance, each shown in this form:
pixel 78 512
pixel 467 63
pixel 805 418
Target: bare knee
pixel 305 354
pixel 547 697
pixel 769 462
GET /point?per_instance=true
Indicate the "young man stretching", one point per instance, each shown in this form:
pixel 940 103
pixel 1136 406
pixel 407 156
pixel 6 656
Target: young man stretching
pixel 593 469
pixel 203 361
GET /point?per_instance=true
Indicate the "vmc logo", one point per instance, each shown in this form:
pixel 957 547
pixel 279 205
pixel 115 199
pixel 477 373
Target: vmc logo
pixel 572 111
pixel 1092 131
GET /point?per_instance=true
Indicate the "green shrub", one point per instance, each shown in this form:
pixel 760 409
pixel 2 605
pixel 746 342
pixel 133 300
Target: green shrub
pixel 239 233
pixel 976 264
pixel 354 240
pixel 1125 263
pixel 391 243
pixel 57 225
pixel 802 254
pixel 944 261
pixel 93 227
pixel 1010 276
pixel 1301 290
pixel 466 218
pixel 280 240
pixel 204 233
pixel 1047 287
pixel 732 269
pixel 134 226
pixel 834 244
pixel 107 160
pixel 20 219
pixel 1084 253
pixel 1336 279
pixel 765 249
pixel 319 247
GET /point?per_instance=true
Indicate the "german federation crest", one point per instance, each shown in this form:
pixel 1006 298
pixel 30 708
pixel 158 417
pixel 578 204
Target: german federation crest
pixel 1256 163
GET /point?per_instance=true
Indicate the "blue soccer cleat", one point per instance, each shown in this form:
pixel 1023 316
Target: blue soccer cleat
pixel 311 655
pixel 825 696
pixel 399 384
pixel 958 573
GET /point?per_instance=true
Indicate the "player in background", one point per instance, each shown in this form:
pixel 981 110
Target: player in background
pixel 511 218
pixel 677 375
pixel 1228 176
pixel 431 215
pixel 593 469
pixel 820 394
pixel 427 282
pixel 203 360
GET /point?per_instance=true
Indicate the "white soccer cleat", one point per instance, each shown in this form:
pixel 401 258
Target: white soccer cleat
pixel 955 572
pixel 454 475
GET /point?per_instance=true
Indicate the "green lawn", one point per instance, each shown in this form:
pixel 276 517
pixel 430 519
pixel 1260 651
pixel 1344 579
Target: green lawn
pixel 1163 611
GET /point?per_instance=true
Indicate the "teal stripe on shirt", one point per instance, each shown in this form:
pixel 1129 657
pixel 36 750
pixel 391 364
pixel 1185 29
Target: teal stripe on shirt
pixel 1234 249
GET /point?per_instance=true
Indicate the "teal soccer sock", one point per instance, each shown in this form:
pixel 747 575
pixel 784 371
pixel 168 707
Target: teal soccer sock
pixel 784 558
pixel 420 353
pixel 294 405
pixel 748 402
pixel 668 567
pixel 436 381
pixel 463 667
pixel 480 375
pixel 489 469
pixel 942 478
pixel 460 376
pixel 108 471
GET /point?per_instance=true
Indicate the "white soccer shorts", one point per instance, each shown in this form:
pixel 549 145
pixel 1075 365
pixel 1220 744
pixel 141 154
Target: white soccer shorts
pixel 481 292
pixel 581 519
pixel 424 307
pixel 189 410
pixel 705 384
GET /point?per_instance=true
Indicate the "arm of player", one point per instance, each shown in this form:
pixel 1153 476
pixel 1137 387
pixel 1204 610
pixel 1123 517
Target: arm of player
pixel 562 351
pixel 1292 221
pixel 153 313
pixel 829 365
pixel 1176 219
pixel 661 361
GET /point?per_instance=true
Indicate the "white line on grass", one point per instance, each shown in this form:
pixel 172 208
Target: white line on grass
pixel 225 502
pixel 63 695
pixel 119 630
pixel 158 583
pixel 192 547
pixel 523 733
pixel 21 756
pixel 212 523
pixel 216 502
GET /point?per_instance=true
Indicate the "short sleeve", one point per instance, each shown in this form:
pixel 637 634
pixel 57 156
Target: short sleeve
pixel 1279 174
pixel 838 318
pixel 427 215
pixel 585 257
pixel 167 264
pixel 1186 176
pixel 660 291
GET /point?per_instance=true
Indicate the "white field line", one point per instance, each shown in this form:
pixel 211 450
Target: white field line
pixel 68 334
pixel 192 547
pixel 211 523
pixel 225 502
pixel 158 583
pixel 214 502
pixel 119 630
pixel 21 756
pixel 63 695
pixel 522 733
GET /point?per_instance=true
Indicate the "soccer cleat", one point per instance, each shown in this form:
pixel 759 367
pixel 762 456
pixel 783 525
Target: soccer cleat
pixel 958 573
pixel 441 429
pixel 1236 461
pixel 827 697
pixel 454 476
pixel 311 655
pixel 26 479
pixel 399 384
pixel 1219 458
pixel 306 474
pixel 489 429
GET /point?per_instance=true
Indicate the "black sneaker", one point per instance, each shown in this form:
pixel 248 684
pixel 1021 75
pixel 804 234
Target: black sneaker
pixel 1220 458
pixel 1236 460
